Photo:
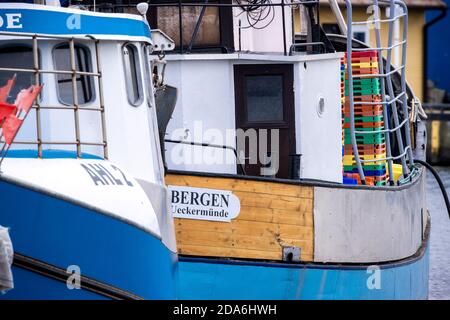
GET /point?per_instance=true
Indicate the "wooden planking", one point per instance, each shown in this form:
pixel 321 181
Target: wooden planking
pixel 227 252
pixel 276 215
pixel 244 228
pixel 244 234
pixel 272 201
pixel 272 215
pixel 227 240
pixel 271 188
pixel 295 232
pixel 208 251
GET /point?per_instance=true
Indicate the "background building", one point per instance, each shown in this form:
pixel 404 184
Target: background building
pixel 438 55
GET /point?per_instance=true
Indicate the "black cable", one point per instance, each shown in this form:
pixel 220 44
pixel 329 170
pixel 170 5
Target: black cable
pixel 256 12
pixel 439 181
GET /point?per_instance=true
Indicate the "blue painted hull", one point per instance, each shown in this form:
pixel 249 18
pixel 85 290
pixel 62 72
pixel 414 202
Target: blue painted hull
pixel 34 286
pixel 63 234
pixel 228 279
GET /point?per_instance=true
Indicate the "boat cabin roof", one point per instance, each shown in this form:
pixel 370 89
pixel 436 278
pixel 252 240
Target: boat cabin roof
pixel 34 19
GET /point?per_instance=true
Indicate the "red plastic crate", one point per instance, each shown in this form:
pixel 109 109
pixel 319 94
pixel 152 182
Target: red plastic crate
pixel 369 53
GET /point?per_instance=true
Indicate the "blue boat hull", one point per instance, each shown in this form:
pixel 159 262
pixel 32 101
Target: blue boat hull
pixel 34 286
pixel 230 279
pixel 60 234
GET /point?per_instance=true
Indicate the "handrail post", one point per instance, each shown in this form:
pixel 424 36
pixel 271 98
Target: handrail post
pixel 180 24
pixel 197 27
pixel 283 18
pixel 403 82
pixel 38 103
pixel 383 92
pixel 102 102
pixel 75 95
pixel 390 86
pixel 350 91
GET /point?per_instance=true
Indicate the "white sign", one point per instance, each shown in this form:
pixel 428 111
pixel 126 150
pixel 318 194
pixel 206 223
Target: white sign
pixel 204 204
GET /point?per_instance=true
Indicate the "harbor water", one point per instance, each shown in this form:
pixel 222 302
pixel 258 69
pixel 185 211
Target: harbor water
pixel 440 237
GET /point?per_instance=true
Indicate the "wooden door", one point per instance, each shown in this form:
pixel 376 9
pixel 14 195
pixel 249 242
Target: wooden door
pixel 265 102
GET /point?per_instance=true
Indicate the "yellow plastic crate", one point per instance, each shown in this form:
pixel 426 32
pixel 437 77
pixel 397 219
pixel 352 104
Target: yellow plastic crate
pixel 397 170
pixel 365 65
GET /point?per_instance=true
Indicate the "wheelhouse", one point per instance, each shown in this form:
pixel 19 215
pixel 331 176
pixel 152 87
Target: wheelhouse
pixel 70 114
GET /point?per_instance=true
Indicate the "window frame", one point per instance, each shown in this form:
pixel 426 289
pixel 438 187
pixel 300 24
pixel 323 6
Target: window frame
pixel 243 70
pixel 29 46
pixel 148 74
pixel 362 29
pixel 89 65
pixel 226 32
pixel 334 26
pixel 149 88
pixel 138 66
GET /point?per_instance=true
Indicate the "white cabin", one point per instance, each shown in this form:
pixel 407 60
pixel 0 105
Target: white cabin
pixel 208 104
pixel 229 72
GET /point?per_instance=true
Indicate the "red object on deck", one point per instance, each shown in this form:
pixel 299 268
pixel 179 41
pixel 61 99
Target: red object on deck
pixel 6 110
pixel 10 128
pixel 368 53
pixel 4 91
pixel 26 97
pixel 10 122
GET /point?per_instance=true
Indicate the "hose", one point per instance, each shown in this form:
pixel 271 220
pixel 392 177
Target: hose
pixel 439 181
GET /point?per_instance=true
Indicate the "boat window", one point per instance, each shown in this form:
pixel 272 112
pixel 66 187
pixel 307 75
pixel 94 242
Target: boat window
pixel 148 73
pixel 133 80
pixel 332 28
pixel 361 33
pixel 215 31
pixel 17 57
pixel 84 83
pixel 208 34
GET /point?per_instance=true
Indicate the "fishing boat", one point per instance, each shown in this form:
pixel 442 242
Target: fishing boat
pixel 294 159
pixel 82 191
pixel 294 162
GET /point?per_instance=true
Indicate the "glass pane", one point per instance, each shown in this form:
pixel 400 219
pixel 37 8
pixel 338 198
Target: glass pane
pixel 20 57
pixel 208 33
pixel 264 95
pixel 84 83
pixel 332 28
pixel 361 36
pixel 132 73
pixel 148 73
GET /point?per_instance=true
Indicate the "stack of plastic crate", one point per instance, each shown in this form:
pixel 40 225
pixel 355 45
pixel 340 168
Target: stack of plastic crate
pixel 346 178
pixel 368 117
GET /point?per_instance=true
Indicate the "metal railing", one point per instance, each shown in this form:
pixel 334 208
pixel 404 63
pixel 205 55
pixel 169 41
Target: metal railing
pixel 391 102
pixel 38 71
pixel 211 145
pixel 180 4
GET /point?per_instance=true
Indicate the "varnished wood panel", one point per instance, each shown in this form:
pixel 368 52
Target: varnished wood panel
pixel 272 215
